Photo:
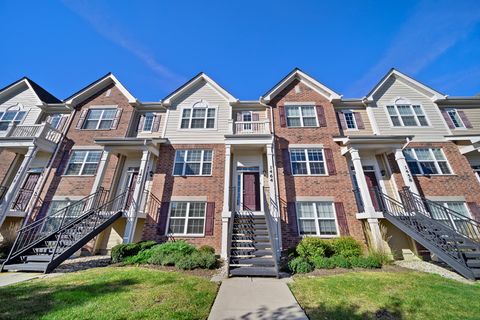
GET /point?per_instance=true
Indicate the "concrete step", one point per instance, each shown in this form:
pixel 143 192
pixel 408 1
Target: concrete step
pixel 31 266
pixel 253 272
pixel 37 258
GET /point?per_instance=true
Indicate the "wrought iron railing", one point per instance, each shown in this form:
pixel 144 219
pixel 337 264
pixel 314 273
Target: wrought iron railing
pixel 358 200
pixel 22 199
pixel 150 204
pixel 3 192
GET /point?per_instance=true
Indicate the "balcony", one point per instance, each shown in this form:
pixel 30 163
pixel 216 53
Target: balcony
pixel 250 127
pixel 41 135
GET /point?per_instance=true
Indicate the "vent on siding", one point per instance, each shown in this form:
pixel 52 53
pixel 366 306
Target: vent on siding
pixel 298 89
pixel 109 91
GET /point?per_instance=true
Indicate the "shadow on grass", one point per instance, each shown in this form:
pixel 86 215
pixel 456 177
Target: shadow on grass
pixel 33 300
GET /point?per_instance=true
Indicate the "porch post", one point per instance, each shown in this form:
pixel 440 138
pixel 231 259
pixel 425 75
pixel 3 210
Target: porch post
pixel 376 233
pixel 226 213
pixel 273 199
pixel 405 171
pixel 17 182
pixel 361 181
pixel 100 171
pixel 137 197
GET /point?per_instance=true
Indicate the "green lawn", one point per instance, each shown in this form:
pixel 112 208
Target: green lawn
pixel 110 293
pixel 386 295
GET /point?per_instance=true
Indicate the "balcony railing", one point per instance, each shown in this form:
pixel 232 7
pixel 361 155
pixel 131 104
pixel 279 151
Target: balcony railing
pixel 251 127
pixel 41 131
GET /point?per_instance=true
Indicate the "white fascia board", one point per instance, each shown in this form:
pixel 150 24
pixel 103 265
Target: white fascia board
pixel 23 82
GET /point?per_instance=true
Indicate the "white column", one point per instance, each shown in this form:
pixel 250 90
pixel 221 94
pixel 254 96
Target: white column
pixel 132 213
pixel 405 171
pixel 362 182
pixel 376 234
pixel 273 199
pixel 226 213
pixel 17 182
pixel 100 171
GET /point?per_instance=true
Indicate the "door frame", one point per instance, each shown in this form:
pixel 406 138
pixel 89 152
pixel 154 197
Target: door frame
pixel 239 170
pixel 256 176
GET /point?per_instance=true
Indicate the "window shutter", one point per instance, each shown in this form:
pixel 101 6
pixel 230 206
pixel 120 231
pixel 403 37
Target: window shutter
pixel 465 120
pixel 283 120
pixel 255 116
pixel 447 119
pixel 341 119
pixel 210 218
pixel 83 115
pixel 286 162
pixel 156 122
pixel 341 219
pixel 292 218
pixel 117 118
pixel 474 210
pixel 322 122
pixel 61 124
pixel 239 116
pixel 140 123
pixel 163 218
pixel 62 163
pixel 329 160
pixel 359 120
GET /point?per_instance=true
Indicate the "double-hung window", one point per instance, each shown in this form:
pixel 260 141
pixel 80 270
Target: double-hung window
pixel 149 117
pixel 99 119
pixel 83 162
pixel 301 116
pixel 307 161
pixel 456 120
pixel 456 219
pixel 407 115
pixel 316 218
pixel 198 118
pixel 8 117
pixel 187 218
pixel 193 163
pixel 54 120
pixel 427 161
pixel 350 120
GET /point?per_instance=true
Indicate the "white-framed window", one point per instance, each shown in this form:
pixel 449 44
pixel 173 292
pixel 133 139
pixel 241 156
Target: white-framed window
pixel 57 205
pixel 307 161
pixel 99 119
pixel 301 116
pixel 456 120
pixel 427 161
pixel 350 119
pixel 83 162
pixel 187 218
pixel 316 218
pixel 193 163
pixel 476 169
pixel 452 220
pixel 8 117
pixel 407 115
pixel 148 120
pixel 200 116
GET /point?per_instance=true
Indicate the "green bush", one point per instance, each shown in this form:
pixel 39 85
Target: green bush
pixel 141 257
pixel 122 251
pixel 186 263
pixel 206 248
pixel 180 246
pixel 366 262
pixel 340 262
pixel 323 263
pixel 300 265
pixel 205 260
pixel 346 247
pixel 311 247
pixel 144 245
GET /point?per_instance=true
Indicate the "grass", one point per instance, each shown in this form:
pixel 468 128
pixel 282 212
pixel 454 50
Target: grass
pixel 386 295
pixel 110 293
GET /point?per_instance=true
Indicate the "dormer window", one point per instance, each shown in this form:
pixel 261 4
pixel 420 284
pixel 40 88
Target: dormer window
pixel 404 114
pixel 350 120
pixel 200 116
pixel 8 117
pixel 148 121
pixel 457 122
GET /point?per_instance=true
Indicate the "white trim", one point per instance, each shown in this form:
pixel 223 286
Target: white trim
pixel 446 198
pixel 297 146
pixel 185 234
pixel 433 159
pixel 316 219
pixel 188 198
pixel 67 198
pixel 315 199
pixel 201 163
pixel 93 147
pixel 307 161
pixel 301 116
pixel 463 127
pixel 399 116
pixel 215 126
pixel 301 103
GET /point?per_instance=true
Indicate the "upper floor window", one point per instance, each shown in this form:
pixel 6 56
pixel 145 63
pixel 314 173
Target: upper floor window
pixel 427 161
pixel 301 116
pixel 403 114
pixel 316 218
pixel 455 117
pixel 148 121
pixel 8 117
pixel 307 161
pixel 187 218
pixel 83 162
pixel 200 116
pixel 193 163
pixel 99 119
pixel 350 120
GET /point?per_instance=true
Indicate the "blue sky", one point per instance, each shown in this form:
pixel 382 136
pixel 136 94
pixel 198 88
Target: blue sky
pixel 246 46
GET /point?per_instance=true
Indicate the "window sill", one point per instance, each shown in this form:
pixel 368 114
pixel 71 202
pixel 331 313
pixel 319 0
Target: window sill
pixel 319 236
pixel 79 175
pixel 310 175
pixel 435 175
pixel 197 129
pixel 303 127
pixel 95 129
pixel 197 176
pixel 186 235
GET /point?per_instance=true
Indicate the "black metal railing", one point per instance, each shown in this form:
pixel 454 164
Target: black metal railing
pixel 3 192
pixel 358 200
pixel 22 199
pixel 35 231
pixel 462 224
pixel 151 204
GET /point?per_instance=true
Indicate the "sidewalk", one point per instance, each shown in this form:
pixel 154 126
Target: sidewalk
pixel 255 298
pixel 8 278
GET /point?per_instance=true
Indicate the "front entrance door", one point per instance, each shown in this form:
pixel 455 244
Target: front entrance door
pixel 131 180
pixel 251 191
pixel 372 184
pixel 26 192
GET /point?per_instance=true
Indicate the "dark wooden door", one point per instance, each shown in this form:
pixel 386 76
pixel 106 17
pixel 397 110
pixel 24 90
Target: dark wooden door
pixel 372 183
pixel 130 187
pixel 26 192
pixel 251 191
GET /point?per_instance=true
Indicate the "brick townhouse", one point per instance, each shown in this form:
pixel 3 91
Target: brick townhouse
pixel 397 169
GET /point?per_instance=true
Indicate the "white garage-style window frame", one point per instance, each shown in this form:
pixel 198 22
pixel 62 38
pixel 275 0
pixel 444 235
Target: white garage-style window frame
pixel 99 119
pixel 187 218
pixel 199 116
pixel 427 161
pixel 317 218
pixel 193 162
pixel 403 113
pixel 301 116
pixel 83 162
pixel 308 161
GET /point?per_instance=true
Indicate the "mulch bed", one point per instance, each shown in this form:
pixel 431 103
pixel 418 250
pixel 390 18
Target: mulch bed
pixel 329 272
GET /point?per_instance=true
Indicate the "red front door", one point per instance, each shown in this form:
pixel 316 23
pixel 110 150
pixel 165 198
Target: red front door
pixel 372 183
pixel 26 192
pixel 251 191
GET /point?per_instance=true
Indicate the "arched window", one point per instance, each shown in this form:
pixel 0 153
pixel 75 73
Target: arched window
pixel 199 116
pixel 403 113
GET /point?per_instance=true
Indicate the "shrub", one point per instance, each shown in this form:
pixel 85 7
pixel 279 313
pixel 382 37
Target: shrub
pixel 9 235
pixel 186 263
pixel 205 260
pixel 144 245
pixel 141 257
pixel 300 265
pixel 340 262
pixel 323 263
pixel 121 251
pixel 206 248
pixel 181 246
pixel 314 247
pixel 367 262
pixel 347 247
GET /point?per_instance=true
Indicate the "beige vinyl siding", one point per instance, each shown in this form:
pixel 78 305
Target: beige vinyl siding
pixel 201 91
pixel 262 114
pixel 156 134
pixel 366 121
pixel 473 115
pixel 393 89
pixel 28 99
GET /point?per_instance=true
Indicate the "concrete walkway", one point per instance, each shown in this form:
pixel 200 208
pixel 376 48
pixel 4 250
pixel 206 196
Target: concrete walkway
pixel 8 278
pixel 256 298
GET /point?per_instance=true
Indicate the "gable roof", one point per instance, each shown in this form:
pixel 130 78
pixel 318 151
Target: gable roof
pixel 297 74
pixel 42 95
pixel 417 85
pixel 96 86
pixel 194 81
